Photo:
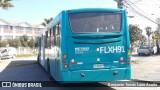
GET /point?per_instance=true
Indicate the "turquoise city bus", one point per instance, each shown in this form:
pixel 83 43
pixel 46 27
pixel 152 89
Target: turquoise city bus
pixel 87 45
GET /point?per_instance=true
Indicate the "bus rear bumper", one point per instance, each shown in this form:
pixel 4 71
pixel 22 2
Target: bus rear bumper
pixel 98 75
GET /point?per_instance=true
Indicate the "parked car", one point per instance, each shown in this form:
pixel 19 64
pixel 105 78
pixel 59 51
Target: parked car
pixel 9 52
pixel 145 49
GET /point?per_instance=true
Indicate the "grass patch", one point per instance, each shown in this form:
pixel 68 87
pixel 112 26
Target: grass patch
pixel 25 55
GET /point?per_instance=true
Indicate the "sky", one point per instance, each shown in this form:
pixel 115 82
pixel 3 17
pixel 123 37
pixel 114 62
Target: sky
pixel 150 8
pixel 34 11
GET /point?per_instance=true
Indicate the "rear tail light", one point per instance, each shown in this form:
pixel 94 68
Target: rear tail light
pixel 65 56
pixel 128 63
pixel 73 62
pixel 65 66
pixel 129 53
pixel 121 60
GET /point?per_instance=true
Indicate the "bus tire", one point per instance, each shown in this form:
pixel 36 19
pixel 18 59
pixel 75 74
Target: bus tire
pixel 48 67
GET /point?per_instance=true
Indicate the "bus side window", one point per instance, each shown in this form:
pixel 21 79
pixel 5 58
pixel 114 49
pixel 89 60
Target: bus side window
pixel 46 36
pixel 58 35
pixel 49 39
pixel 53 37
pixel 58 38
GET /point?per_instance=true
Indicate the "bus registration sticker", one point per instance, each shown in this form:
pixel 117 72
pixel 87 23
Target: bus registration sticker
pixel 98 66
pixel 81 50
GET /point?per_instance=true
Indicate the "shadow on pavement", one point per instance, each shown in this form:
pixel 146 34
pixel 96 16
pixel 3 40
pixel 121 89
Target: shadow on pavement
pixel 9 63
pixel 29 70
pixel 18 70
pixel 17 63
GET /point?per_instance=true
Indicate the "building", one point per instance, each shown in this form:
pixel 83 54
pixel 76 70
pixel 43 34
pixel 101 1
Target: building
pixel 11 30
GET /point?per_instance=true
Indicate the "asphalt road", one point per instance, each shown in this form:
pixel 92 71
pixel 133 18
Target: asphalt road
pixel 34 72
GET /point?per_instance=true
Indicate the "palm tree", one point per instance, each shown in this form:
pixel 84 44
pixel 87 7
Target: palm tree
pixel 46 21
pixel 148 33
pixel 5 4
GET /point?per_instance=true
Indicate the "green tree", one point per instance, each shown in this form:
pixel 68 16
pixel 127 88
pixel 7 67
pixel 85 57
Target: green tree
pixel 46 21
pixel 0 38
pixel 31 43
pixel 135 34
pixel 15 42
pixel 24 40
pixel 148 33
pixel 5 4
pixel 3 43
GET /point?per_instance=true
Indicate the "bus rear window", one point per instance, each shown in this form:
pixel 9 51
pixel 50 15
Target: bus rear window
pixel 95 22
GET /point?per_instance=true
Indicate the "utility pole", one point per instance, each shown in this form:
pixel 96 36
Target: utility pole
pixel 157 46
pixel 120 4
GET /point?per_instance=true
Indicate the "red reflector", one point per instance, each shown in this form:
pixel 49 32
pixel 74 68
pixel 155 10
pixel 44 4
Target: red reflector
pixel 73 62
pixel 121 61
pixel 65 66
pixel 128 63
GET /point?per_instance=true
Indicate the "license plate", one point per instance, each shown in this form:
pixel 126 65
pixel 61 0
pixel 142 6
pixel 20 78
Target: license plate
pixel 98 66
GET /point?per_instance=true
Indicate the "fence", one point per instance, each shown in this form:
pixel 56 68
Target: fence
pixel 23 50
pixel 26 50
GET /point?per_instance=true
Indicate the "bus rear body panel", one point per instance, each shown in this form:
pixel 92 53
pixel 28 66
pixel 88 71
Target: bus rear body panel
pixel 93 46
pixel 96 56
pixel 96 53
pixel 97 75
